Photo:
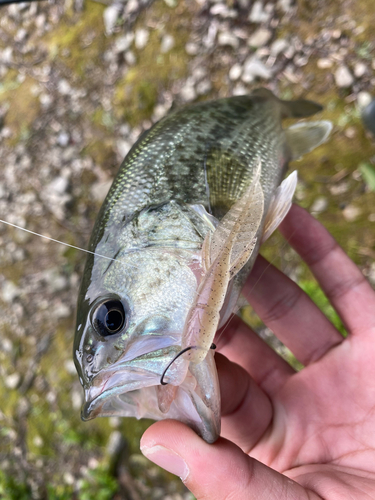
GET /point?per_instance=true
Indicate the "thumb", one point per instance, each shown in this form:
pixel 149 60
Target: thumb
pixel 215 471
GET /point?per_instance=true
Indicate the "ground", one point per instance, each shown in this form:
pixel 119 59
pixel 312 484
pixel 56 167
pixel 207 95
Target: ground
pixel 79 82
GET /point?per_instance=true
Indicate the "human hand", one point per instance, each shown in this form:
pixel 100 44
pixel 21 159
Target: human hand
pixel 287 435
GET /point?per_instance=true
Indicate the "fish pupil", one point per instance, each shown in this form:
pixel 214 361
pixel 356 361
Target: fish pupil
pixel 109 318
pixel 114 320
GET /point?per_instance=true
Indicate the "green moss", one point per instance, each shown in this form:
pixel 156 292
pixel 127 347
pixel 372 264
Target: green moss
pixel 11 489
pixel 80 39
pixel 136 94
pixel 25 106
pixel 59 492
pixel 100 485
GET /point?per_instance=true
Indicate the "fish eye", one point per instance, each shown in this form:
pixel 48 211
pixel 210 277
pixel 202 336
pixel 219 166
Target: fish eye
pixel 109 318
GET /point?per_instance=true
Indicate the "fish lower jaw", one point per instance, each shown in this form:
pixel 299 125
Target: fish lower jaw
pixel 115 386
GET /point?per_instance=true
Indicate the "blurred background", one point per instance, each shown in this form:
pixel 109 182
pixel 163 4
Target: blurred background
pixel 79 81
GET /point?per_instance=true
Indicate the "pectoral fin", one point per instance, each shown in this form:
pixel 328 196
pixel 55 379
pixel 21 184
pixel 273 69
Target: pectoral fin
pixel 280 205
pixel 305 136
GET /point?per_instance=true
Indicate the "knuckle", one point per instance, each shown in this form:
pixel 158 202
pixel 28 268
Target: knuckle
pixel 342 287
pixel 278 309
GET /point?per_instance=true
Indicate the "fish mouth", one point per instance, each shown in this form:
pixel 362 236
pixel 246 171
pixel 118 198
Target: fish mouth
pixel 114 385
pixel 107 387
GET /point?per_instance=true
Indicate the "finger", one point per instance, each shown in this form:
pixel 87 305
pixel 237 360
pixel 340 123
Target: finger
pixel 243 346
pixel 245 408
pixel 341 280
pixel 216 471
pixel 290 313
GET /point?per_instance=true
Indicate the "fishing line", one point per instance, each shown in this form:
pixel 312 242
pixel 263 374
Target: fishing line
pixel 56 241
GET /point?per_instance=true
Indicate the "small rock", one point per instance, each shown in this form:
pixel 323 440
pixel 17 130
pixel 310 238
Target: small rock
pixel 40 21
pixel 20 35
pixel 350 132
pixel 222 10
pixel 187 92
pixel 110 16
pixel 235 72
pixel 130 58
pixel 6 55
pixel 343 77
pixel 285 5
pixel 45 100
pixel 123 43
pixel 360 69
pixel 123 147
pixel 340 188
pixel 324 63
pixel 258 14
pixel 114 443
pixel 351 213
pixel 319 205
pixel 38 441
pixel 204 87
pixel 70 367
pixel 254 68
pixel 62 310
pixel 167 43
pixel 56 281
pixel 63 139
pixel 131 6
pixel 260 38
pixel 192 49
pixel 363 99
pixel 7 345
pixel 141 38
pixel 64 87
pixel 77 399
pixel 9 291
pixel 114 422
pixel 68 478
pixel 58 186
pixel 13 381
pixel 99 190
pixel 227 38
pixel 92 463
pixel 239 89
pixel 278 46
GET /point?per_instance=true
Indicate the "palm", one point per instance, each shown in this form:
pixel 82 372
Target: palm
pixel 316 426
pixel 325 413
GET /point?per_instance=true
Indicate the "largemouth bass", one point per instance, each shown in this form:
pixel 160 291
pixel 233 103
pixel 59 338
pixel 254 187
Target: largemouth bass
pixel 181 227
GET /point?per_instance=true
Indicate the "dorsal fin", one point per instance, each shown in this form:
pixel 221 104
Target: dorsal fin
pixel 298 108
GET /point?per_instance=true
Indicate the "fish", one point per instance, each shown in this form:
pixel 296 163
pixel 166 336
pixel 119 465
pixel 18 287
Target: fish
pixel 180 228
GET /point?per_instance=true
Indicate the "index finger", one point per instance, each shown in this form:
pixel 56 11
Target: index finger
pixel 341 280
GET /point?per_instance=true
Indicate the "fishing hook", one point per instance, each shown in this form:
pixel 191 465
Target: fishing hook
pixel 213 346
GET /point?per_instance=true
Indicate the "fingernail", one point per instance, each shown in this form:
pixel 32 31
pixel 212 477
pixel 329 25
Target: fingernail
pixel 167 459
